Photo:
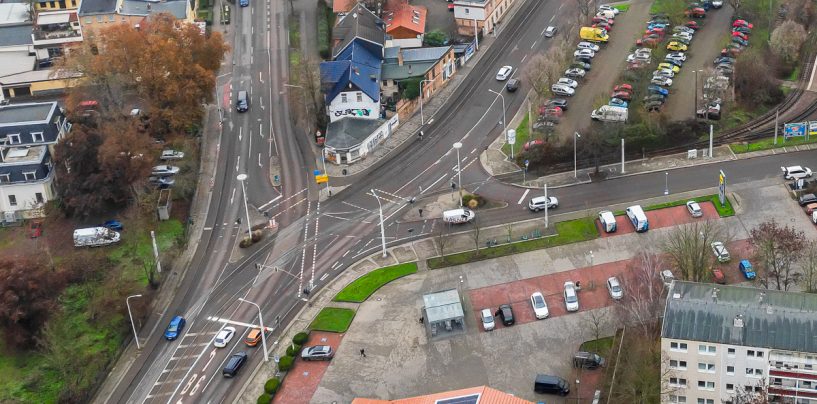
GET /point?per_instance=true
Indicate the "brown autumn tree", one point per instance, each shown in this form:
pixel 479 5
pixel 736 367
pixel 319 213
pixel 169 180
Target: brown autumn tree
pixel 28 290
pixel 169 66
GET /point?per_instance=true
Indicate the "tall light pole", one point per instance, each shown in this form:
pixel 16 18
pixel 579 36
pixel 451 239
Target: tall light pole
pixel 136 337
pixel 241 178
pixel 263 330
pixel 576 135
pixel 695 111
pixel 382 229
pixel 666 183
pixel 504 123
pixel 422 117
pixel 306 105
pixel 457 147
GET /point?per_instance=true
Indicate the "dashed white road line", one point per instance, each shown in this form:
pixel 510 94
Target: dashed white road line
pixel 523 197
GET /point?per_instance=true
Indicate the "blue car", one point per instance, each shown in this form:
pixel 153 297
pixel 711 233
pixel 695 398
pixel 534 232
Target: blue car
pixel 656 25
pixel 114 225
pixel 746 267
pixel 244 3
pixel 618 102
pixel 658 90
pixel 174 329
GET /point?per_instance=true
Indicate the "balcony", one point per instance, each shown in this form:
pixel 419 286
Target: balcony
pixel 802 374
pixel 58 27
pixel 791 392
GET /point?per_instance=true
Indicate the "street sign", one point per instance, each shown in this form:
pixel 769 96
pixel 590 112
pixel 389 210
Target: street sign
pixel 316 172
pixel 527 162
pixel 798 129
pixel 722 188
pixel 511 136
pixel 320 179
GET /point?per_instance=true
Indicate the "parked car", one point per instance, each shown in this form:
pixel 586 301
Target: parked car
pixel 618 102
pixel 622 95
pixel 161 182
pixel 35 229
pixel 664 72
pixel 562 90
pixel 746 269
pixel 556 102
pixel 677 56
pixel 540 203
pixel 657 90
pixel 695 12
pixel 717 276
pixel 540 307
pixel 807 199
pixel 317 353
pixel 224 337
pixel 603 25
pixel 587 45
pixel 692 24
pixel 716 4
pixel 649 40
pixel 504 72
pixel 575 73
pixel 684 41
pixel 669 66
pixel 681 28
pixel 667 277
pixel 740 35
pixel 584 53
pixel 597 19
pixel 114 225
pixel 568 82
pixel 532 143
pixel 795 172
pixel 171 155
pixel 174 328
pixel 676 46
pixel 683 34
pixel 739 41
pixel 588 360
pixel 605 7
pixel 723 59
pixel 655 98
pixel 654 106
pixel 614 287
pixel 744 30
pixel 674 62
pixel 512 85
pixel 742 23
pixel 623 87
pixel 580 65
pixel 661 81
pixel 506 314
pixel 634 57
pixel 694 209
pixel 487 319
pixel 165 170
pixel 571 298
pixel 550 31
pixel 720 251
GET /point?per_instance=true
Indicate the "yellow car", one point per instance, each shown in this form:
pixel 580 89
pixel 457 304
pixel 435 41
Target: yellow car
pixel 676 46
pixel 669 66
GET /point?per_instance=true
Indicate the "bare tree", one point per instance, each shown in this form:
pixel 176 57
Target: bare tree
pixel 597 321
pixel 475 234
pixel 758 395
pixel 642 302
pixel 541 72
pixel 809 266
pixel 777 249
pixel 584 8
pixel 688 248
pixel 787 39
pixel 442 238
pixel 735 5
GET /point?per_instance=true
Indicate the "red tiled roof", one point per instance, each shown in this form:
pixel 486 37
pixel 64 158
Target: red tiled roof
pixel 398 13
pixel 487 396
pixel 343 6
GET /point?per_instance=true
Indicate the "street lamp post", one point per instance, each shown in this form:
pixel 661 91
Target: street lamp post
pixel 576 135
pixel 666 183
pixel 504 123
pixel 382 229
pixel 136 337
pixel 695 111
pixel 306 105
pixel 422 117
pixel 241 178
pixel 457 147
pixel 263 329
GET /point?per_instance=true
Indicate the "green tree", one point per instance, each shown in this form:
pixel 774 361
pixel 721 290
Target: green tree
pixel 435 38
pixel 410 88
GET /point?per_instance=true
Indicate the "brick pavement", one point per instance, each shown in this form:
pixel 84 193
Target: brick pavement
pixel 303 379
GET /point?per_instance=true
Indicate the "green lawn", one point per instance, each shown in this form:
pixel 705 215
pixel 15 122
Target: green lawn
pixel 363 287
pixel 570 231
pixel 768 143
pixel 600 346
pixel 137 247
pixel 622 7
pixel 795 74
pixel 522 136
pixel 333 319
pixel 724 211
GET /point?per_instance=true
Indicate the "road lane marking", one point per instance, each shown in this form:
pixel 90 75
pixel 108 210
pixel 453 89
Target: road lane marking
pixel 232 197
pixel 523 197
pixel 323 277
pixel 812 74
pixel 435 182
pixel 526 56
pixel 543 31
pixel 472 151
pixel 551 20
pixel 532 46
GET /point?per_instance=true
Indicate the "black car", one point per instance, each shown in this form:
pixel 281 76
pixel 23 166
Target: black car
pixel 583 59
pixel 654 98
pixel 723 59
pixel 234 364
pixel 581 65
pixel 654 106
pixel 803 201
pixel 506 314
pixel 557 102
pixel 743 30
pixel 513 85
pixel 741 42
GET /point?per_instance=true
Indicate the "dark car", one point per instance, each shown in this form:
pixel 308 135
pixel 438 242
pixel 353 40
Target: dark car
pixel 317 353
pixel 696 12
pixel 582 59
pixel 556 102
pixel 654 106
pixel 114 225
pixel 807 199
pixel 513 85
pixel 506 314
pixel 723 59
pixel 692 24
pixel 174 329
pixel 654 98
pixel 234 364
pixel 587 360
pixel 739 41
pixel 743 30
pixel 580 65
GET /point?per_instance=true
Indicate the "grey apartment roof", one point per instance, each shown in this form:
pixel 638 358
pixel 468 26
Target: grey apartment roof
pixel 35 160
pixel 93 7
pixel 13 14
pixel 359 23
pixel 27 119
pixel 443 305
pixel 177 8
pixel 16 35
pixel 393 71
pixel 741 316
pixel 348 133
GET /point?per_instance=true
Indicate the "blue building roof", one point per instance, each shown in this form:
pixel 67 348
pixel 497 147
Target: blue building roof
pixel 359 53
pixel 346 75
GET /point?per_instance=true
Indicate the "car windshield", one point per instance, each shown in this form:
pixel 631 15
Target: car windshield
pixel 615 288
pixel 538 302
pixel 486 318
pixel 173 327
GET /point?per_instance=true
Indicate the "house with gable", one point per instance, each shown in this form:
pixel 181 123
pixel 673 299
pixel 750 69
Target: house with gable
pixel 405 24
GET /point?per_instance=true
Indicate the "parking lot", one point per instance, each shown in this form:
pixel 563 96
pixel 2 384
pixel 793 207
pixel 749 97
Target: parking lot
pixel 401 360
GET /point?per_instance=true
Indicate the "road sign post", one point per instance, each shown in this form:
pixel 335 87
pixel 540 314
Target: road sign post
pixel 511 138
pixel 525 174
pixel 722 188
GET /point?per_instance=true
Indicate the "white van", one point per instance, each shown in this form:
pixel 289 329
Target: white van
pixel 456 216
pixel 95 237
pixel 609 113
pixel 608 221
pixel 638 218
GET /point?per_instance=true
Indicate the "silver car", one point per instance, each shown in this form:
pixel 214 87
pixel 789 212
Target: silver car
pixel 164 170
pixel 504 73
pixel 487 319
pixel 317 353
pixel 614 287
pixel 540 307
pixel 171 155
pixel 694 209
pixel 720 251
pixel 571 298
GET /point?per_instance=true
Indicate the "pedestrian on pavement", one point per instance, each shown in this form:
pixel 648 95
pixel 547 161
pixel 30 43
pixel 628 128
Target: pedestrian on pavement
pixel 363 352
pixel 421 212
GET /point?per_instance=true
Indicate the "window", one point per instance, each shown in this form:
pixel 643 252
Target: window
pixel 754 372
pixel 343 98
pixel 706 349
pixel 359 97
pixel 678 365
pixel 30 176
pixel 88 20
pixel 707 401
pixel 467 11
pixel 730 370
pixel 730 352
pixel 705 385
pixel 39 197
pixel 14 139
pixel 759 354
pixel 706 367
pixel 12 200
pixel 730 387
pixel 677 399
pixel 5 178
pixel 678 346
pixel 677 382
pixel 36 136
pixel 111 18
pixel 99 18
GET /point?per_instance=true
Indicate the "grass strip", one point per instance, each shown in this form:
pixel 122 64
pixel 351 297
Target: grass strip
pixel 522 136
pixel 723 211
pixel 363 287
pixel 600 346
pixel 768 144
pixel 622 7
pixel 333 319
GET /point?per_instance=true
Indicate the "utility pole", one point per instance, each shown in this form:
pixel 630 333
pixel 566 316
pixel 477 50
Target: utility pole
pixel 622 155
pixel 546 207
pixel 776 117
pixel 155 252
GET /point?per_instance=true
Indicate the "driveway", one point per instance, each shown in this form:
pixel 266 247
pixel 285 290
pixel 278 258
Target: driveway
pixel 704 48
pixel 608 64
pixel 438 16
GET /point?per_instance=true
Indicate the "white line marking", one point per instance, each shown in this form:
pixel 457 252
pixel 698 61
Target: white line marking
pixel 435 182
pixel 812 74
pixel 523 197
pixel 323 277
pixel 545 29
pixel 551 20
pixel 524 57
pixel 232 197
pixel 270 202
pixel 533 45
pixel 345 254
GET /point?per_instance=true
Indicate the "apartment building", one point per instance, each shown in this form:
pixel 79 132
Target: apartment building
pixel 482 16
pixel 720 340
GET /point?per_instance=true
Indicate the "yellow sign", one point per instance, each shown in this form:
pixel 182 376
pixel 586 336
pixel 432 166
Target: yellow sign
pixel 320 179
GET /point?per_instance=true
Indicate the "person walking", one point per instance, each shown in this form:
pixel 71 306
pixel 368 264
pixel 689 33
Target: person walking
pixel 363 352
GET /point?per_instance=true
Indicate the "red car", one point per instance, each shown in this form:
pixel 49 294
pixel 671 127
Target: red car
pixel 741 35
pixel 656 30
pixel 555 111
pixel 597 19
pixel 649 40
pixel 35 229
pixel 602 25
pixel 533 143
pixel 742 23
pixel 717 276
pixel 692 24
pixel 696 12
pixel 622 95
pixel 638 64
pixel 731 52
pixel 623 87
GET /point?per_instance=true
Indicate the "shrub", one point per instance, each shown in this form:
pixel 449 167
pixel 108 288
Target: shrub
pixel 272 385
pixel 300 338
pixel 472 201
pixel 410 88
pixel 256 236
pixel 285 363
pixel 435 38
pixel 245 242
pixel 293 349
pixel 264 399
pixel 324 30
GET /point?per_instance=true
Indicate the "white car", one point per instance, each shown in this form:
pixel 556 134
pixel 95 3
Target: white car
pixel 540 202
pixel 224 336
pixel 560 89
pixel 638 57
pixel 677 56
pixel 164 170
pixel 575 73
pixel 661 81
pixel 568 82
pixel 550 31
pixel 667 277
pixel 694 209
pixel 584 53
pixel 504 73
pixel 487 319
pixel 643 51
pixel 540 307
pixel 720 252
pixel 587 45
pixel 614 287
pixel 717 3
pixel 664 72
pixel 571 298
pixel 171 155
pixel 683 34
pixel 795 172
pixel 606 7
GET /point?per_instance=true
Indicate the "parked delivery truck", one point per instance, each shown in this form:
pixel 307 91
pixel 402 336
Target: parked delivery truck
pixel 609 113
pixel 591 34
pixel 95 237
pixel 638 218
pixel 455 216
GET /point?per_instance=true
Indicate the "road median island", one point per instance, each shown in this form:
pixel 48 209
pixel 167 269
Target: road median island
pixel 332 319
pixel 567 232
pixel 723 211
pixel 361 288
